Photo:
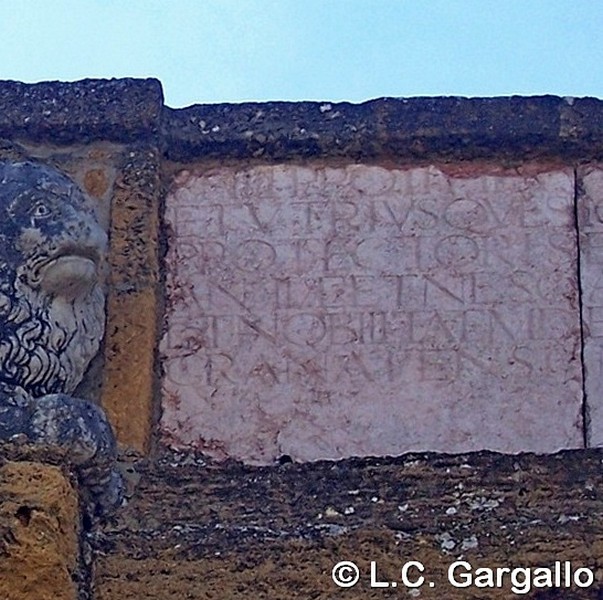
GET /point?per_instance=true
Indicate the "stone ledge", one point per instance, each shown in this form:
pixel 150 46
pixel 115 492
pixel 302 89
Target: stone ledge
pixel 414 129
pixel 117 110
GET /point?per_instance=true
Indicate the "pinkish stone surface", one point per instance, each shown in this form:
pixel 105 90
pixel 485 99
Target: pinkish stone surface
pixel 590 222
pixel 324 312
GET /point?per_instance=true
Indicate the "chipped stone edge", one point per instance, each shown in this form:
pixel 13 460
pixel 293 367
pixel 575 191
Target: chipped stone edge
pixel 60 113
pixel 414 129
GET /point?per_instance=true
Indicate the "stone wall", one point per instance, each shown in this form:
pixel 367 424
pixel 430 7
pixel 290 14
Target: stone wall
pixel 308 281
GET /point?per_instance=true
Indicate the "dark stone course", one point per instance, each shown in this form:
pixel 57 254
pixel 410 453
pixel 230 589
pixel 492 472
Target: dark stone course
pixel 413 129
pixel 271 130
pixel 471 128
pixel 194 529
pixel 117 110
pixel 530 491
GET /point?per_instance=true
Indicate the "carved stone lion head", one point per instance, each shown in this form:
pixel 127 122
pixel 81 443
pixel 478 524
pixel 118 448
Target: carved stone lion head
pixel 52 257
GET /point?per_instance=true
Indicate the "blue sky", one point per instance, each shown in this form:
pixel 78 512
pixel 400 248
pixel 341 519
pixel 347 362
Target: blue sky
pixel 239 50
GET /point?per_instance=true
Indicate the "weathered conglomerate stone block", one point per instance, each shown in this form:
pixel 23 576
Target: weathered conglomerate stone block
pixel 132 300
pixel 39 529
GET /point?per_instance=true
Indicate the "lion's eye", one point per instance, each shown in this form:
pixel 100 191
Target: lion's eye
pixel 40 211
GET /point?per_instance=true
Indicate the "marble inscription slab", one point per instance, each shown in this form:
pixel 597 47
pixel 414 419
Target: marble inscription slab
pixel 325 312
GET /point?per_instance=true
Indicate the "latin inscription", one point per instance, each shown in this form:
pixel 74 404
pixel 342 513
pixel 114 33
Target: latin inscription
pixel 388 297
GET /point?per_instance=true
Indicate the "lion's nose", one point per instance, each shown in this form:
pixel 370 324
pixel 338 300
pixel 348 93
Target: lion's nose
pixel 69 276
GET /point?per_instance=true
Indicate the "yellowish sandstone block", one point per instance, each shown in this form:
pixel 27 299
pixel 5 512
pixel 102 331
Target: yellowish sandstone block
pixel 39 525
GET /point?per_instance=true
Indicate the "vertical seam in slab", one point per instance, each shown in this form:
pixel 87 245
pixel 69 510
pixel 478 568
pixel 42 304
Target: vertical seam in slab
pixel 585 432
